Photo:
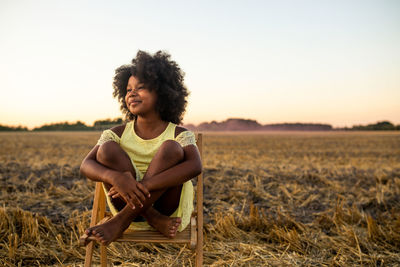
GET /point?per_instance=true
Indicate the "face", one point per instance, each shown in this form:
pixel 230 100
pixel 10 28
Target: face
pixel 139 100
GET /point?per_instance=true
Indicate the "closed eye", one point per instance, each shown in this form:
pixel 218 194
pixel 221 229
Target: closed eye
pixel 129 89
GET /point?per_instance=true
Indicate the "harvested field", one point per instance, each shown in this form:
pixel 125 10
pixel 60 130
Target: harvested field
pixel 271 199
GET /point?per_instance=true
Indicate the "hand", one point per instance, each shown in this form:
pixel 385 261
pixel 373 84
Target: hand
pixel 125 186
pixel 113 193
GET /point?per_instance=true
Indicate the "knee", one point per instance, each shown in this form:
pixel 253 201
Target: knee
pixel 171 149
pixel 107 152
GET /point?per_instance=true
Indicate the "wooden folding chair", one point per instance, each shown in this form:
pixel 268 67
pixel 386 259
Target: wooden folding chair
pixel 192 235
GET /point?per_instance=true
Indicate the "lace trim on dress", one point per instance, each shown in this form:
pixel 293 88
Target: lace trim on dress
pixel 186 205
pixel 108 135
pixel 186 138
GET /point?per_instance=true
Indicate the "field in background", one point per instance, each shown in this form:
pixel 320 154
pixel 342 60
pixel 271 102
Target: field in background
pixel 271 199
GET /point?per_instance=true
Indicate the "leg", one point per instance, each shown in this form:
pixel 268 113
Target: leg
pixel 168 202
pixel 169 154
pixel 111 155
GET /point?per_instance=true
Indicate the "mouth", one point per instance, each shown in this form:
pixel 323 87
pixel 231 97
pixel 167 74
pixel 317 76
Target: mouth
pixel 135 102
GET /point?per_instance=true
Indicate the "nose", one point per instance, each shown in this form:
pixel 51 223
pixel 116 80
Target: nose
pixel 132 93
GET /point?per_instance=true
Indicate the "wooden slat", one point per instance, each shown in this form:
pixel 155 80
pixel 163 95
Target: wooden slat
pixel 199 205
pixel 193 232
pixel 150 236
pixel 154 236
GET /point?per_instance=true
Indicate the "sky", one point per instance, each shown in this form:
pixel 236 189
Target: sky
pixel 335 62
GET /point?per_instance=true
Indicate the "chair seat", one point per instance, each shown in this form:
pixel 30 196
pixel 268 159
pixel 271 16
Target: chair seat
pixel 187 236
pixel 154 236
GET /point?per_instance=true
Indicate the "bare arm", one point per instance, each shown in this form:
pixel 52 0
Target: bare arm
pixel 96 171
pixel 190 167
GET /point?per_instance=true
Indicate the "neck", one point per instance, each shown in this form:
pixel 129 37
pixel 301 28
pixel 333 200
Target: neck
pixel 150 122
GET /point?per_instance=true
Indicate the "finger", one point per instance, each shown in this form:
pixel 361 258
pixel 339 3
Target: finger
pixel 116 195
pixel 128 201
pixel 139 195
pixel 143 189
pixel 136 200
pixel 111 191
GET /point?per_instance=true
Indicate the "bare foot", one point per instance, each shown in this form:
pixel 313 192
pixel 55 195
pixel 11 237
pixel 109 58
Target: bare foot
pixel 168 226
pixel 107 232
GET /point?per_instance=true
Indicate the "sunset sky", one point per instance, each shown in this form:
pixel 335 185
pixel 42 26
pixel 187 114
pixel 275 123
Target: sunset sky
pixel 335 62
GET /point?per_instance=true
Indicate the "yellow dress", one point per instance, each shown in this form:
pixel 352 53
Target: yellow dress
pixel 141 152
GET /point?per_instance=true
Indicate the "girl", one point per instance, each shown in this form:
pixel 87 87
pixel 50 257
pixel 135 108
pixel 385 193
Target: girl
pixel 146 164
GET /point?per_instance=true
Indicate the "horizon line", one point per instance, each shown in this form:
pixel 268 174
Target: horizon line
pixel 189 123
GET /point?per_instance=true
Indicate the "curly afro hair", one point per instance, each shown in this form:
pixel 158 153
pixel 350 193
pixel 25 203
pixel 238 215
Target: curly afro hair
pixel 157 72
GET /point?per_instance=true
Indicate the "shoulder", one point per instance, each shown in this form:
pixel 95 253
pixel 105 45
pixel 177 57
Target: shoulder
pixel 184 136
pixel 113 134
pixel 179 129
pixel 118 130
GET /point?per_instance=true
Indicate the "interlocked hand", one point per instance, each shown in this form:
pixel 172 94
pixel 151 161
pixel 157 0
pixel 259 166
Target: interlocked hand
pixel 133 192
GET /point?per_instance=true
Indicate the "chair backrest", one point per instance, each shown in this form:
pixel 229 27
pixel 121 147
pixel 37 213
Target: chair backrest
pixel 199 143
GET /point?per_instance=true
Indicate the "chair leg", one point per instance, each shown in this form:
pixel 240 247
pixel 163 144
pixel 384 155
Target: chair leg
pixel 199 204
pixel 89 254
pixel 103 256
pixel 102 210
pixel 98 211
pixel 199 252
pixel 199 246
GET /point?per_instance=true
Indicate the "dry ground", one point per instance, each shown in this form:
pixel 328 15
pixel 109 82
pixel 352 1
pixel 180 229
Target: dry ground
pixel 271 199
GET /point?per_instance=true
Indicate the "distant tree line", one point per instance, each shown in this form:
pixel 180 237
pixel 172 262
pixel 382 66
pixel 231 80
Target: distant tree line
pixel 11 128
pixel 66 126
pixel 106 124
pixel 379 126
